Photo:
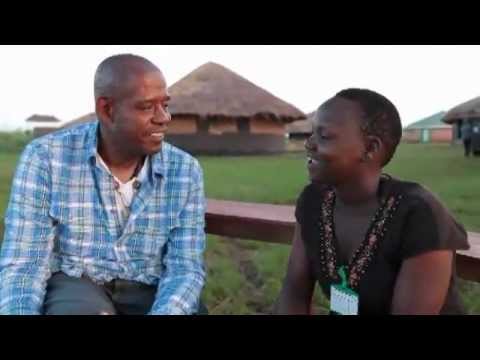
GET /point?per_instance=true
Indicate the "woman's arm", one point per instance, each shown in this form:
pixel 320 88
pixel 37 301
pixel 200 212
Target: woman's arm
pixel 297 291
pixel 422 283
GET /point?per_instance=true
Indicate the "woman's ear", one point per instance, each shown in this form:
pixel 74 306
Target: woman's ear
pixel 373 148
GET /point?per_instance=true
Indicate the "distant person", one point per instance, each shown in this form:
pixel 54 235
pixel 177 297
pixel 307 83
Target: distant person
pixel 466 132
pixel 374 244
pixel 105 217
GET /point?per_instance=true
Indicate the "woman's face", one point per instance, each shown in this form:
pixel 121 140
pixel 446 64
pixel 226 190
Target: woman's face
pixel 336 147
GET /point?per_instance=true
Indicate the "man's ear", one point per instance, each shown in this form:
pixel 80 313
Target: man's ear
pixel 104 109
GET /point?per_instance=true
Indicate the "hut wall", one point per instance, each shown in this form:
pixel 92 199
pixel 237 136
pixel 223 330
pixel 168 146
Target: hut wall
pixel 267 126
pixel 222 126
pixel 182 125
pixel 456 131
pixel 229 143
pixel 456 136
pixel 427 135
pixel 44 130
pixel 411 135
pixel 441 135
pixel 299 135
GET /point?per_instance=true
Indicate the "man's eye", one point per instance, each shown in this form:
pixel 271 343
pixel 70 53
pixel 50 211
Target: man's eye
pixel 147 107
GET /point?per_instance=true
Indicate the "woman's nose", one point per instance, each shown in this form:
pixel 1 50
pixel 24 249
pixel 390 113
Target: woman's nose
pixel 309 143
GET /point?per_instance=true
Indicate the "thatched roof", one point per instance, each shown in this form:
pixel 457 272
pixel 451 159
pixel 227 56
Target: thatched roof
pixel 42 119
pixel 213 90
pixel 82 119
pixel 466 110
pixel 432 122
pixel 302 126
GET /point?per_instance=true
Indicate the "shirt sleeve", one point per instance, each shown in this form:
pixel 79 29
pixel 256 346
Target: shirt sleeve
pixel 300 206
pixel 180 287
pixel 28 238
pixel 430 226
pixel 308 202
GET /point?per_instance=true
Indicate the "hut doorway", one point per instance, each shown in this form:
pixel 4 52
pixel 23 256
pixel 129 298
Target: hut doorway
pixel 425 136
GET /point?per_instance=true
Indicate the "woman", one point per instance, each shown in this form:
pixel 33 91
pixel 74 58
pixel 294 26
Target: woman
pixel 392 241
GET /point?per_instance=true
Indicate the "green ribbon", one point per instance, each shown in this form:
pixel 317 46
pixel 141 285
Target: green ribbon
pixel 343 275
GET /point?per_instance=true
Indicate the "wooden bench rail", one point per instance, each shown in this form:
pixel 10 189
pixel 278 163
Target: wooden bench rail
pixel 276 224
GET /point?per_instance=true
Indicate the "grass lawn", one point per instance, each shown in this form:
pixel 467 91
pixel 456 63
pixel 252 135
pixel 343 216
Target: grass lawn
pixel 244 277
pixel 279 179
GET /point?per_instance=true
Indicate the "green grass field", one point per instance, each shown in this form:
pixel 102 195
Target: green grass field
pixel 278 179
pixel 244 277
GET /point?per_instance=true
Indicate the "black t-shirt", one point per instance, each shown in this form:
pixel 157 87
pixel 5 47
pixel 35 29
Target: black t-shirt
pixel 410 221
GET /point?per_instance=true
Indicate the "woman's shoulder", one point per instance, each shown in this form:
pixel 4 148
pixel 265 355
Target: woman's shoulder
pixel 311 193
pixel 428 219
pixel 309 201
pixel 416 194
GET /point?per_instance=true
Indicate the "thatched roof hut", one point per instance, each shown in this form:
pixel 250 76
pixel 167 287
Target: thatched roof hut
pixel 301 128
pixel 216 111
pixel 466 110
pixel 214 90
pixel 42 124
pixel 42 119
pixel 469 110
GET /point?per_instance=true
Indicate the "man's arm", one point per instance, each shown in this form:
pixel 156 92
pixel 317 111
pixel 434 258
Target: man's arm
pixel 179 288
pixel 28 238
pixel 296 294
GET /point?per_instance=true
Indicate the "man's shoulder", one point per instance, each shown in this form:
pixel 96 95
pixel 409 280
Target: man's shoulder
pixel 176 156
pixel 72 138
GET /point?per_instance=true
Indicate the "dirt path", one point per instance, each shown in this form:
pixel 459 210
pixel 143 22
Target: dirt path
pixel 242 258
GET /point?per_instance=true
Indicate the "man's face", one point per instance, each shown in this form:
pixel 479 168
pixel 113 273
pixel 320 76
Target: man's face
pixel 140 114
pixel 336 147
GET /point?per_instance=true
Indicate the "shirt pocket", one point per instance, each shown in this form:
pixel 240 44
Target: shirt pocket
pixel 147 243
pixel 72 232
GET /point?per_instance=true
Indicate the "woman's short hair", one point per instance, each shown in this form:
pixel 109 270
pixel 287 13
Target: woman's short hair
pixel 381 118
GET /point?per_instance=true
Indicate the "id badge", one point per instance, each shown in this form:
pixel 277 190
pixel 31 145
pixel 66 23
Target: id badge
pixel 343 300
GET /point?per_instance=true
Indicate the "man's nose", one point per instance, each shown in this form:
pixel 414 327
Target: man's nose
pixel 162 116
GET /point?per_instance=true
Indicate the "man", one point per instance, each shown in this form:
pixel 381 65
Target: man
pixel 466 132
pixel 106 217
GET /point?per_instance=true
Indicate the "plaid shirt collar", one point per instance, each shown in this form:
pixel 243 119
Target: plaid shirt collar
pixel 158 162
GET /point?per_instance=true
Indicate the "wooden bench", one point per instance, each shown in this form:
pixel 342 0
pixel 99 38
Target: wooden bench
pixel 276 223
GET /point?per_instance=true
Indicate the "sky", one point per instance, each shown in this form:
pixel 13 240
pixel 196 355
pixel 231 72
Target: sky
pixel 420 80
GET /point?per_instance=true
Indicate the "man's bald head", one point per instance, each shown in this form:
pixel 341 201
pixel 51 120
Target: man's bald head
pixel 116 70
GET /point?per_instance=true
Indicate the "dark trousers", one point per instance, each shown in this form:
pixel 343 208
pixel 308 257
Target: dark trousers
pixel 467 143
pixel 68 295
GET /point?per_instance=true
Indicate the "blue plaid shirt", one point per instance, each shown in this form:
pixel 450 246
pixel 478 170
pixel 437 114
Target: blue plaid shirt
pixel 62 216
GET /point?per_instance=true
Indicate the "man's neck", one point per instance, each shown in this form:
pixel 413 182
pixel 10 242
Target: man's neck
pixel 123 166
